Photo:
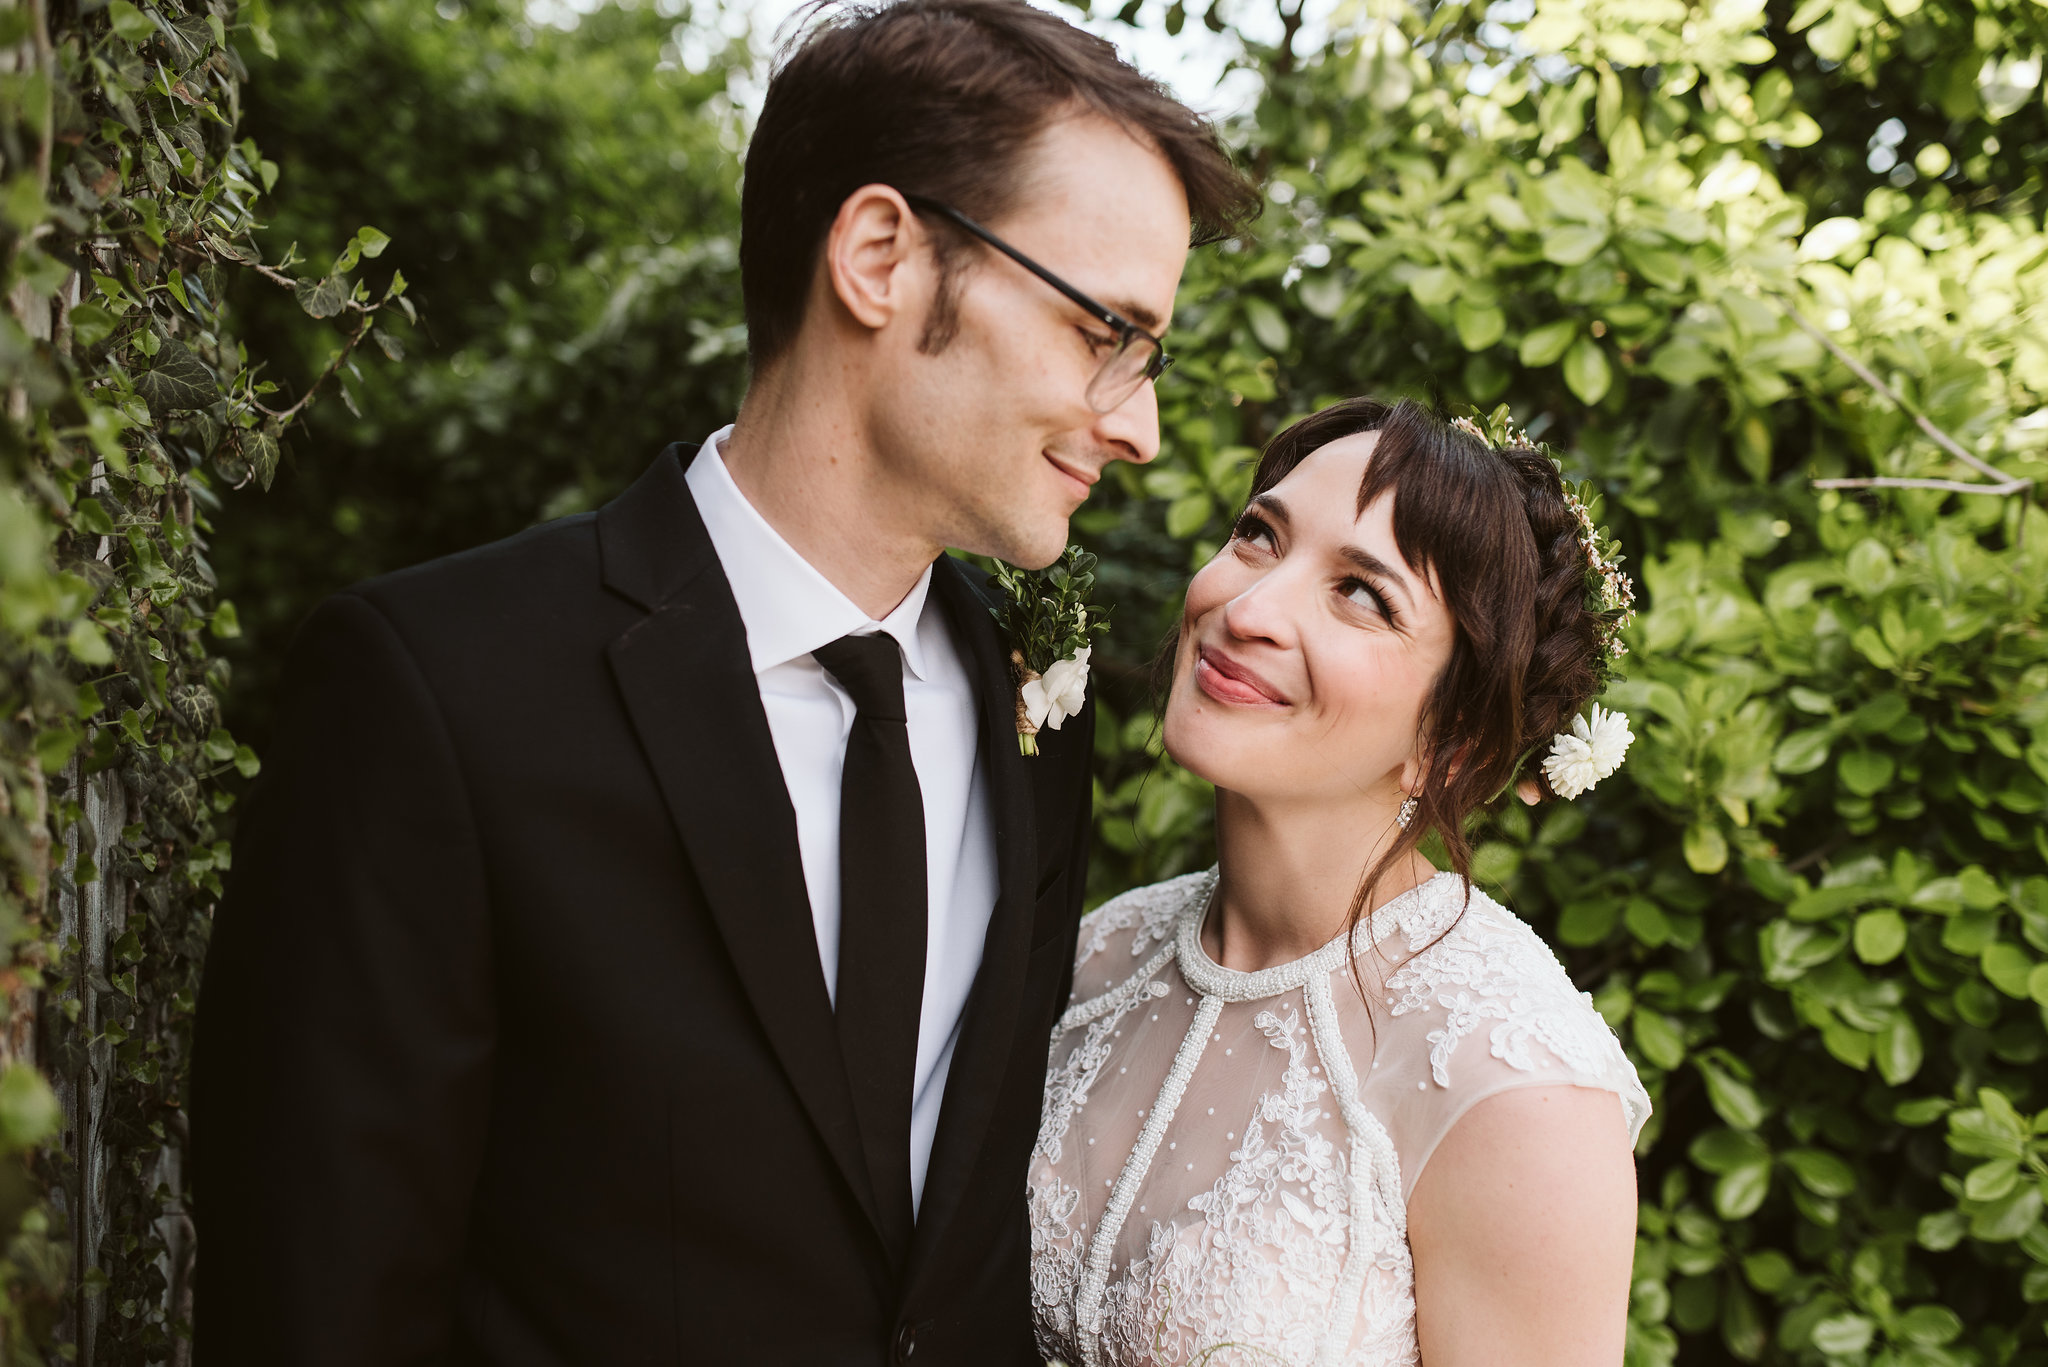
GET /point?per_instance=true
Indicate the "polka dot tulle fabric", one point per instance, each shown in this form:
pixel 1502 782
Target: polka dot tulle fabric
pixel 1224 1164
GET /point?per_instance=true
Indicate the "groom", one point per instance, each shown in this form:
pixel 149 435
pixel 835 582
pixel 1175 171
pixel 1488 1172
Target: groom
pixel 644 943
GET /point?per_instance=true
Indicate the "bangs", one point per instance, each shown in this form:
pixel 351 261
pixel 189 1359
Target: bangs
pixel 1458 509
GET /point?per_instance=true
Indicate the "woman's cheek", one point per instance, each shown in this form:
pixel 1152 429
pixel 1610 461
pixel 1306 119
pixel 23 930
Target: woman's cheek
pixel 1209 589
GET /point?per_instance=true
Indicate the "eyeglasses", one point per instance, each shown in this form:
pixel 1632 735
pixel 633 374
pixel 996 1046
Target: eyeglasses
pixel 1137 355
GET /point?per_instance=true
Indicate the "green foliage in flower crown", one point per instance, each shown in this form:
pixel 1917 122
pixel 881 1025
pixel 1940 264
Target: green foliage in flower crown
pixel 1610 597
pixel 1046 614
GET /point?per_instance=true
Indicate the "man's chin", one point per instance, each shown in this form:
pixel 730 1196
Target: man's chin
pixel 1031 547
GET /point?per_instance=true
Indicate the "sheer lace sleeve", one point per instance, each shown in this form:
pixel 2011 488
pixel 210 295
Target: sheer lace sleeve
pixel 1475 1010
pixel 1119 935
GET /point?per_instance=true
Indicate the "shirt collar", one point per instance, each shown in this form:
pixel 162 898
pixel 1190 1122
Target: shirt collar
pixel 787 607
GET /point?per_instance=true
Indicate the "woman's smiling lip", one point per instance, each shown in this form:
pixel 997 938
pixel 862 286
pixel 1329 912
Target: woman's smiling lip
pixel 1226 680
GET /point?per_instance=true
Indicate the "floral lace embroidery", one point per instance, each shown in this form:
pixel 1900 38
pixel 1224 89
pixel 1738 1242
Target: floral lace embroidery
pixel 1298 1252
pixel 1067 1083
pixel 1262 1265
pixel 1151 909
pixel 1492 967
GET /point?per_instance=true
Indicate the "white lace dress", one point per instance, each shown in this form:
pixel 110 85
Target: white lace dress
pixel 1225 1160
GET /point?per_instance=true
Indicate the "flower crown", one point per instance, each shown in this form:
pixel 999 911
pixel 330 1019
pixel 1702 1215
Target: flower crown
pixel 1609 595
pixel 1595 746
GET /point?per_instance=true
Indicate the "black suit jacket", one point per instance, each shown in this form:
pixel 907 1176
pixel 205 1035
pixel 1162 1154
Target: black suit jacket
pixel 513 1045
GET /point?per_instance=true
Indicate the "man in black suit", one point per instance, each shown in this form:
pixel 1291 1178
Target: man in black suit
pixel 643 944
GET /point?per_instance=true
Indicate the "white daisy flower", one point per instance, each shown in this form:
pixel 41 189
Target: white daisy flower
pixel 1588 753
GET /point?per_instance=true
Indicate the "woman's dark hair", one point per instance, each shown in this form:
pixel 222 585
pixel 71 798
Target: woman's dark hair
pixel 1492 528
pixel 939 98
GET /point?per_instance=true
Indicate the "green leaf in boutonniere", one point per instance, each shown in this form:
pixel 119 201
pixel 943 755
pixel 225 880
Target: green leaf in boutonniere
pixel 1047 617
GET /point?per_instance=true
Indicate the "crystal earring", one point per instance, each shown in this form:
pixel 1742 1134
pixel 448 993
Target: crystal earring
pixel 1408 806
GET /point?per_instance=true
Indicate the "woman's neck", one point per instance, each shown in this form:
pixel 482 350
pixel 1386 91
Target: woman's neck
pixel 1289 875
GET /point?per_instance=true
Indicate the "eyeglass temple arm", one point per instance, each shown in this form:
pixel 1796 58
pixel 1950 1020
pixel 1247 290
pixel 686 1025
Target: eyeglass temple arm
pixel 1105 313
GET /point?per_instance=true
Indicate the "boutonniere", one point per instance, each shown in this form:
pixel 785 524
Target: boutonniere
pixel 1046 615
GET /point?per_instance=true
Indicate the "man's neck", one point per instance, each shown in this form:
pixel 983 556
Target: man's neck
pixel 810 472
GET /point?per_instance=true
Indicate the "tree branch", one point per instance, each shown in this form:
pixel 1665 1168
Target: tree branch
pixel 2008 484
pixel 1954 486
pixel 284 416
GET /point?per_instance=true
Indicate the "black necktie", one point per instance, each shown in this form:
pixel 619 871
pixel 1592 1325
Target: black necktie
pixel 881 917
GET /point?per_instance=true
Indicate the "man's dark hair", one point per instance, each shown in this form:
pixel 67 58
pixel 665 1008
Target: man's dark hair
pixel 938 98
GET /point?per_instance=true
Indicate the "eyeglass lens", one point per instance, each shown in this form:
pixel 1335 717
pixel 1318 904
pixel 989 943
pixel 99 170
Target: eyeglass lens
pixel 1122 372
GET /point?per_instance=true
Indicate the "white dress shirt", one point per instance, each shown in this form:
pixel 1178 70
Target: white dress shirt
pixel 789 610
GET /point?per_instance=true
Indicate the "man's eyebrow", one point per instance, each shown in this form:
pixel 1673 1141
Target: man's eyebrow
pixel 1137 313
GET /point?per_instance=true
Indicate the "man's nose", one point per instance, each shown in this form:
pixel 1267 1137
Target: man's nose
pixel 1131 429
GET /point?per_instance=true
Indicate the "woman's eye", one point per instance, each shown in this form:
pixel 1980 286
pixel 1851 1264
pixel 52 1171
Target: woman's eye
pixel 1367 597
pixel 1097 341
pixel 1253 532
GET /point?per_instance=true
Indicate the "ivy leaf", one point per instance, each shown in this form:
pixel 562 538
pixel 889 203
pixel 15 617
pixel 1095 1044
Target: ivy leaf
pixel 87 644
pixel 130 23
pixel 371 241
pixel 389 345
pixel 91 325
pixel 176 381
pixel 325 297
pixel 29 1112
pixel 90 515
pixel 261 448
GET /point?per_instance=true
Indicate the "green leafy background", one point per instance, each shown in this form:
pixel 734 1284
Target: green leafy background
pixel 1814 903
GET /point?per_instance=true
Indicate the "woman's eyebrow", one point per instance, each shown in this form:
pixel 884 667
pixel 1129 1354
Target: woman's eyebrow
pixel 1270 505
pixel 1372 564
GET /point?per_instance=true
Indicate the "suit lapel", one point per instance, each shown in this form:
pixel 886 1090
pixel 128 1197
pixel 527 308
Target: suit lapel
pixel 987 1035
pixel 689 687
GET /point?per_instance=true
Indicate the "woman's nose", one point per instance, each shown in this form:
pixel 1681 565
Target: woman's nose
pixel 1264 610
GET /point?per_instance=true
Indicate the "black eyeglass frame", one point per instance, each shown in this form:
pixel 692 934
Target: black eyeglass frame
pixel 1125 328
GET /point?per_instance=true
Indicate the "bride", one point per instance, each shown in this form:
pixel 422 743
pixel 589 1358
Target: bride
pixel 1299 1116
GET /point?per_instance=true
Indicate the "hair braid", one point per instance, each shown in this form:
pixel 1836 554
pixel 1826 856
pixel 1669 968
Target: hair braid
pixel 1562 672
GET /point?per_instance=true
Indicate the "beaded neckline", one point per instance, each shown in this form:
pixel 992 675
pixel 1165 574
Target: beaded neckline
pixel 1212 979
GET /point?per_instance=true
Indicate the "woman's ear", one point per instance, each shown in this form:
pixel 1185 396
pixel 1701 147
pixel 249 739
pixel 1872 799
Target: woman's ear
pixel 1416 767
pixel 875 259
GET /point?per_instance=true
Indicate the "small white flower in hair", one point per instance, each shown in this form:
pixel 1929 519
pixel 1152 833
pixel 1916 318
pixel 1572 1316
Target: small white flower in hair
pixel 1589 752
pixel 1059 695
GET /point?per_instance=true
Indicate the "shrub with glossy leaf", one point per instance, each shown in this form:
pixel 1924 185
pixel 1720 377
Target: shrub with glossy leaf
pixel 1815 900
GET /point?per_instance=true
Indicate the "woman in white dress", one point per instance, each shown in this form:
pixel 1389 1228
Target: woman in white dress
pixel 1324 1104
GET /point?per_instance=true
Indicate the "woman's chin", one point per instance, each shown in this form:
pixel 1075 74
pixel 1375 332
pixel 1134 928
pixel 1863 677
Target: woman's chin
pixel 1199 742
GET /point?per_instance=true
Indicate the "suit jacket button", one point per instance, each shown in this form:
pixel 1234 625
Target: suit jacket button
pixel 906 1342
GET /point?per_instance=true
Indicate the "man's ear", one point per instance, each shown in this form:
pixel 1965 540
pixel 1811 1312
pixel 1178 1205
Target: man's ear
pixel 876 260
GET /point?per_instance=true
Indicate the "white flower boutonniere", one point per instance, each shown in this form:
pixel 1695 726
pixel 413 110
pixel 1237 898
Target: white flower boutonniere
pixel 1045 614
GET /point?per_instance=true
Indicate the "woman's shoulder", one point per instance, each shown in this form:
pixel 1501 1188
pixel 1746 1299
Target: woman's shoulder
pixel 1117 937
pixel 1496 996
